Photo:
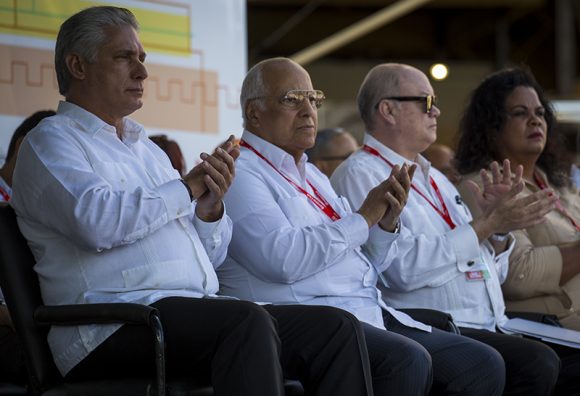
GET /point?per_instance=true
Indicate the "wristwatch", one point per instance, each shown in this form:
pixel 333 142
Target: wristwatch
pixel 397 227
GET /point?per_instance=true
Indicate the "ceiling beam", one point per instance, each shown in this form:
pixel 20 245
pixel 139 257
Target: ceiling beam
pixel 356 30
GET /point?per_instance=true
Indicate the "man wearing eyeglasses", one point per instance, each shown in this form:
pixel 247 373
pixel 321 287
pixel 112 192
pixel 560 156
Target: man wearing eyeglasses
pixel 296 241
pixel 444 259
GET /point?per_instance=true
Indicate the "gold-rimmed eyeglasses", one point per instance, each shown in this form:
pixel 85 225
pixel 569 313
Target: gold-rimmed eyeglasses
pixel 295 98
pixel 430 100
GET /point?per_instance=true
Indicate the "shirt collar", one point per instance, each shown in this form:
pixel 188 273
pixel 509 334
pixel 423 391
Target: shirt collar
pixel 278 157
pixel 91 124
pixel 423 165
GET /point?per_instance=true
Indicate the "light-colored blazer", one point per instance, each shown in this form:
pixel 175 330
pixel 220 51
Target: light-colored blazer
pixel 533 282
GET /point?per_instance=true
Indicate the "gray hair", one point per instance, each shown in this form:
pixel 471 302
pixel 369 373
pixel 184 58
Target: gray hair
pixel 83 34
pixel 253 85
pixel 382 80
pixel 322 145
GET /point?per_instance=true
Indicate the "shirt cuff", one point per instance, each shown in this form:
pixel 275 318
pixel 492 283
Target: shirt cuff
pixel 176 199
pixel 380 237
pixel 208 229
pixel 509 248
pixel 378 247
pixel 465 244
pixel 355 228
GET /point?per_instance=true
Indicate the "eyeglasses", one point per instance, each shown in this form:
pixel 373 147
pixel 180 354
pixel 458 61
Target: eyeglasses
pixel 430 100
pixel 295 98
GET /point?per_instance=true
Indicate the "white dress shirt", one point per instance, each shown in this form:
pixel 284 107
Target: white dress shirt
pixel 429 263
pixel 108 221
pixel 285 250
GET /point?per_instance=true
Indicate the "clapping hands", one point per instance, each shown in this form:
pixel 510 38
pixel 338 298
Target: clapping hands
pixel 210 180
pixel 385 202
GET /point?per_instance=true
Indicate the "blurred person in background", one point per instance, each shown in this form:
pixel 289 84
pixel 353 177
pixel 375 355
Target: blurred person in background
pixel 333 145
pixel 570 147
pixel 442 157
pixel 8 168
pixel 173 151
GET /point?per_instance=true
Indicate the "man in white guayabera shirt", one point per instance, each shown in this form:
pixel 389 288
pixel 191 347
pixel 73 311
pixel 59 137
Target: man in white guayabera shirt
pixel 295 241
pixel 444 259
pixel 109 220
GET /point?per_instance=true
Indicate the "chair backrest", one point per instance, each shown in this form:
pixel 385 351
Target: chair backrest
pixel 21 291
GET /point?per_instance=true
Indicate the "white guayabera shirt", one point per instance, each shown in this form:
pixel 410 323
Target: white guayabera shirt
pixel 431 265
pixel 285 250
pixel 108 221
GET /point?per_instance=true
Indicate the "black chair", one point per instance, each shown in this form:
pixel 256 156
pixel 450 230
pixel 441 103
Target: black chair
pixel 32 320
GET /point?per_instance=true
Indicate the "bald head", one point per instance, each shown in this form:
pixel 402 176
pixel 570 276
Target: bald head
pixel 332 147
pixel 262 76
pixel 280 105
pixel 382 80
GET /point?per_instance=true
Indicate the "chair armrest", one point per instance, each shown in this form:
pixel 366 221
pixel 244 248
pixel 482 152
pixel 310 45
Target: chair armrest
pixel 123 313
pixel 548 319
pixel 432 317
pixel 82 314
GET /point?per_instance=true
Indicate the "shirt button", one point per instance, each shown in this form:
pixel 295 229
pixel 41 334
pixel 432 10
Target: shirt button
pixel 470 263
pixel 521 276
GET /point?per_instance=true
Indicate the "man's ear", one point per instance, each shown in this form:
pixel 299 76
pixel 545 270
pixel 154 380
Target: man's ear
pixel 76 66
pixel 252 114
pixel 386 112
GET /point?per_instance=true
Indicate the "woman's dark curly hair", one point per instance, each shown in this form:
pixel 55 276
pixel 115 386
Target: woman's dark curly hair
pixel 484 117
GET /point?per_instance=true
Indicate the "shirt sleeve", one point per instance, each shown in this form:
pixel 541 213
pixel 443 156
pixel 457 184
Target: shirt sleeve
pixel 377 247
pixel 283 248
pixel 501 260
pixel 534 271
pixel 415 259
pixel 56 184
pixel 215 237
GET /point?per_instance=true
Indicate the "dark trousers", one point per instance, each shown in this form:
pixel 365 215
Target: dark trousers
pixel 242 348
pixel 569 379
pixel 460 365
pixel 531 367
pixel 12 367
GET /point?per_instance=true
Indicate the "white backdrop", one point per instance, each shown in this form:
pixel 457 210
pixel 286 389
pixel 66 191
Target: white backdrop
pixel 196 59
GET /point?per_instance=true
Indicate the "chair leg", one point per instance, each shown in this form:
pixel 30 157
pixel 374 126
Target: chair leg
pixel 159 354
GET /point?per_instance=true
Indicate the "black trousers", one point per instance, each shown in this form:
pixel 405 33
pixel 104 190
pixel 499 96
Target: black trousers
pixel 531 367
pixel 12 367
pixel 242 348
pixel 412 362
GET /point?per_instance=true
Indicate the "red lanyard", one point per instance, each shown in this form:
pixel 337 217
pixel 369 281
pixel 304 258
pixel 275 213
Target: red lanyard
pixel 318 201
pixel 4 194
pixel 559 205
pixel 443 212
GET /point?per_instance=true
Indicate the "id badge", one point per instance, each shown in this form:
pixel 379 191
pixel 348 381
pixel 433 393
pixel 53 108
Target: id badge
pixel 474 276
